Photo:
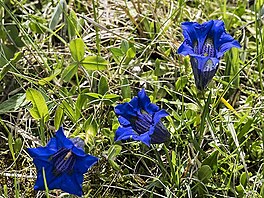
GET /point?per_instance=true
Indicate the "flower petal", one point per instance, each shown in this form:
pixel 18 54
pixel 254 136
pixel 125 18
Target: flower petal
pixel 186 48
pixel 145 104
pixel 160 114
pixel 41 151
pixel 124 133
pixel 145 138
pixel 125 110
pixel 62 141
pixel 135 104
pixel 77 151
pixel 195 34
pixel 72 184
pixel 123 121
pixel 39 185
pixel 204 69
pixel 82 164
pixel 41 162
pixel 160 135
pixel 222 40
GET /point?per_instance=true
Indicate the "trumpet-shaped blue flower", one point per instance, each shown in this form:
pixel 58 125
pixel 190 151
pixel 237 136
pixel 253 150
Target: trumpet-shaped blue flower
pixel 140 120
pixel 63 161
pixel 205 43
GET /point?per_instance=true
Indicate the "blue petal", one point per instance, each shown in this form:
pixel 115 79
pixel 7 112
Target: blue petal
pixel 144 103
pixel 52 144
pixel 195 34
pixel 78 142
pixel 160 134
pixel 222 40
pixel 204 69
pixel 186 48
pixel 72 184
pixel 135 104
pixel 39 185
pixel 124 133
pixel 42 162
pixel 123 121
pixel 144 138
pixel 41 152
pixel 82 164
pixel 125 110
pixel 77 151
pixel 160 114
pixel 54 182
pixel 62 141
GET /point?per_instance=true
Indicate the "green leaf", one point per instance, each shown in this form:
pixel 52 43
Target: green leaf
pixel 102 86
pixel 262 190
pixel 117 54
pixel 110 98
pixel 81 99
pixel 68 110
pixel 72 24
pixel 94 63
pixel 39 109
pixel 181 83
pixel 36 28
pixel 211 160
pixel 13 103
pixel 69 72
pixel 58 119
pixel 7 67
pixel 44 81
pixel 114 151
pixel 18 145
pixel 124 46
pixel 61 6
pixel 114 164
pixel 11 146
pixel 91 129
pixel 125 89
pixel 93 96
pixel 245 129
pixel 243 179
pixel 130 54
pixel 77 48
pixel 204 173
pixel 157 67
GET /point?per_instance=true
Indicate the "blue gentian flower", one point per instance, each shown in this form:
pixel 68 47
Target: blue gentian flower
pixel 64 162
pixel 205 43
pixel 140 120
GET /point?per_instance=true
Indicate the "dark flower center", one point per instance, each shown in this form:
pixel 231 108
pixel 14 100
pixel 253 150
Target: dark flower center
pixel 63 161
pixel 141 123
pixel 208 48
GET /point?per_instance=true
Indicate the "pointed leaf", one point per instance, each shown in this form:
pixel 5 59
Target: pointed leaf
pixel 77 48
pixel 57 13
pixel 69 72
pixel 58 117
pixel 39 109
pixel 94 63
pixel 102 86
pixel 13 103
pixel 204 173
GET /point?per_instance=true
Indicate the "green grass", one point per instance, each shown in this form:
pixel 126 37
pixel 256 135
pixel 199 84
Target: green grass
pixel 214 151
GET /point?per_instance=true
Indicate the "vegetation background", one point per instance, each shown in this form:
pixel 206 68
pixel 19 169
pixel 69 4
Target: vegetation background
pixel 70 62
